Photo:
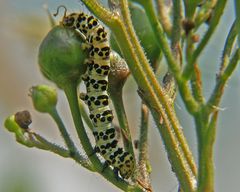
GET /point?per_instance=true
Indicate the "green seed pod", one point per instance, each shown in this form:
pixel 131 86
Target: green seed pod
pixel 61 57
pixel 44 98
pixel 144 32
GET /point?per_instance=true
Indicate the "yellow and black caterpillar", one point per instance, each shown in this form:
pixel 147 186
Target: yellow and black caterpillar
pixel 97 99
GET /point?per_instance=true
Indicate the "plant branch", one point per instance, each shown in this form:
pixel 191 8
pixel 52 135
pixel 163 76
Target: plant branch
pixel 218 11
pixel 232 35
pixel 206 138
pixel 237 13
pixel 163 16
pixel 143 158
pixel 47 145
pixel 64 133
pixel 216 96
pixel 117 100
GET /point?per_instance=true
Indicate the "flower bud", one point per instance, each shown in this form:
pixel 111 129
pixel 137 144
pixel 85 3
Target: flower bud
pixel 44 98
pixel 144 32
pixel 61 57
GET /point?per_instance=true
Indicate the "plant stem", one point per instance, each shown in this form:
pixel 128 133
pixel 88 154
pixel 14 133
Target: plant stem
pixel 217 93
pixel 229 44
pixel 117 100
pixel 64 133
pixel 206 137
pixel 237 13
pixel 164 17
pixel 143 158
pixel 218 11
pixel 44 144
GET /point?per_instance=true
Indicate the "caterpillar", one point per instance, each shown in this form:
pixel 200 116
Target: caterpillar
pixel 96 96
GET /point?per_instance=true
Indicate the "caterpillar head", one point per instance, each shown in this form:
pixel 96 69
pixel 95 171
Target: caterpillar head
pixel 67 20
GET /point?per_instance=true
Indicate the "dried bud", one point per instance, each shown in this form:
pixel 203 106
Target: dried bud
pixel 61 57
pixel 44 98
pixel 23 119
pixel 188 25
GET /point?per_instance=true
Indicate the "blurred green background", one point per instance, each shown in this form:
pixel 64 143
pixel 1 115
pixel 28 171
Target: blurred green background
pixel 23 24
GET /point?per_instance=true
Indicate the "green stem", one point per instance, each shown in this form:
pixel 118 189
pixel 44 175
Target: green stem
pixel 143 158
pixel 44 144
pixel 196 84
pixel 217 93
pixel 70 90
pixel 117 100
pixel 229 44
pixel 164 17
pixel 68 141
pixel 204 13
pixel 73 152
pixel 185 177
pixel 190 8
pixel 196 81
pixel 206 139
pixel 177 28
pixel 237 13
pixel 218 11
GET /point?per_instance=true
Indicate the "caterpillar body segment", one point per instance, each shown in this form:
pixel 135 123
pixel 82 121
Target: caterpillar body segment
pixel 97 98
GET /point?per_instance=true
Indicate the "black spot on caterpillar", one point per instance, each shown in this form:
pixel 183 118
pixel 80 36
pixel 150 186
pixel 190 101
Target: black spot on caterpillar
pixel 97 99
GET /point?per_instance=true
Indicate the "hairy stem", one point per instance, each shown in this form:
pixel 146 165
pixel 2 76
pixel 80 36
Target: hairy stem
pixel 64 133
pixel 217 93
pixel 122 118
pixel 218 11
pixel 143 158
pixel 206 138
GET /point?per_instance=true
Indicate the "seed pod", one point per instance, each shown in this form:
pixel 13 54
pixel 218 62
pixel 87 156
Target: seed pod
pixel 61 57
pixel 44 98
